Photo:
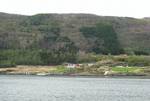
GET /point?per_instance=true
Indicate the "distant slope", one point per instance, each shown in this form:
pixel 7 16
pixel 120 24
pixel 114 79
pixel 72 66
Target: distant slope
pixel 85 32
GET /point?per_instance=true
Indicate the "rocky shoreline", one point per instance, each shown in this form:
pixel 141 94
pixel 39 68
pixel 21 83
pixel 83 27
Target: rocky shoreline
pixel 74 74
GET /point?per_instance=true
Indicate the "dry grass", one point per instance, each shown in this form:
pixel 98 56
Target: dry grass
pixel 28 69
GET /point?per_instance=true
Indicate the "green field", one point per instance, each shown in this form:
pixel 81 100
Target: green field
pixel 127 69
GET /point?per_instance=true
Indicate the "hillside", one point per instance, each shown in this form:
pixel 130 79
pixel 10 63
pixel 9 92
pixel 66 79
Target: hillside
pixel 70 34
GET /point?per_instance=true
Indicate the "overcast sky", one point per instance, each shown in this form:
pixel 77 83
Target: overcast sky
pixel 129 8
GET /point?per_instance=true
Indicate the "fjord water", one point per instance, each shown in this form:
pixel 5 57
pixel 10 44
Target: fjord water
pixel 36 88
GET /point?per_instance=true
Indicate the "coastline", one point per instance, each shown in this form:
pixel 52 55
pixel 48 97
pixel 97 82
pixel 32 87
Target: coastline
pixel 80 76
pixel 59 71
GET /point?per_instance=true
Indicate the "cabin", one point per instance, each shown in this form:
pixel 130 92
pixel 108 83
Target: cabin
pixel 72 65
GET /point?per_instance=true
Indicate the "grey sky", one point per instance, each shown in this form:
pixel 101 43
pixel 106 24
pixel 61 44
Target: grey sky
pixel 130 8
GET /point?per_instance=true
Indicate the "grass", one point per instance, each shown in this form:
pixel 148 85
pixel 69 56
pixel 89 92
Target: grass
pixel 28 69
pixel 22 69
pixel 63 70
pixel 127 69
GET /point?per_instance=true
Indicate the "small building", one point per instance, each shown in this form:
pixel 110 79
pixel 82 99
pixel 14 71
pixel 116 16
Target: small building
pixel 70 65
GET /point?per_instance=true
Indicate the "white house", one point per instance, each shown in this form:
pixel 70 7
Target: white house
pixel 70 65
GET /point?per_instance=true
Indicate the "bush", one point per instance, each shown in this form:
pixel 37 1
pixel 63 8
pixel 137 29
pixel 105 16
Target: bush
pixel 134 60
pixel 138 60
pixel 140 53
pixel 4 64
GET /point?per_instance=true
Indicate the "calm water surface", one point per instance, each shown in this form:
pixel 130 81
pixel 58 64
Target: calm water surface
pixel 36 88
